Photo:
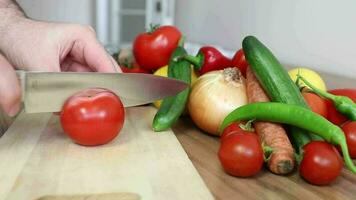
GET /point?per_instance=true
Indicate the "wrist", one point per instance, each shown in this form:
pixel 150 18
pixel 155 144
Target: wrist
pixel 11 15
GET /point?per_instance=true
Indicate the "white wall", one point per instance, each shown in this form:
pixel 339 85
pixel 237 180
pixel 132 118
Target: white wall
pixel 320 34
pixel 77 11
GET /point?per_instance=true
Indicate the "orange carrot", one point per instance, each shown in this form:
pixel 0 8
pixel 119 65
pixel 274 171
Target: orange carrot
pixel 282 160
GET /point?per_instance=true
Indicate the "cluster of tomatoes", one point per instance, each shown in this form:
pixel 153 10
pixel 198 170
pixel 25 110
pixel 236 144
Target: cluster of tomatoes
pixel 327 109
pixel 152 51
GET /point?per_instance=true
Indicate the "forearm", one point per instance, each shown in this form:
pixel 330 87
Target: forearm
pixel 11 7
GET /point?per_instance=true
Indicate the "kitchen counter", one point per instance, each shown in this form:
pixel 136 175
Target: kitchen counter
pixel 202 150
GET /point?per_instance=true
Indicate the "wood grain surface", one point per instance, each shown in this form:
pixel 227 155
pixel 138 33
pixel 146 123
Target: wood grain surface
pixel 109 196
pixel 38 159
pixel 202 150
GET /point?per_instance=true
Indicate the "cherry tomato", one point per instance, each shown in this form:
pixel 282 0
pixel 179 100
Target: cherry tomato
pixel 240 62
pixel 153 50
pixel 134 68
pixel 333 115
pixel 92 117
pixel 241 154
pixel 321 163
pixel 349 129
pixel 316 103
pixel 232 129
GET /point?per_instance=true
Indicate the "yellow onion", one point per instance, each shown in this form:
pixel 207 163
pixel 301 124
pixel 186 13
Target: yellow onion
pixel 214 95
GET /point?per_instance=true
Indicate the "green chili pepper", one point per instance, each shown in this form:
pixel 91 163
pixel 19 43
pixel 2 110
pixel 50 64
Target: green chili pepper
pixel 292 115
pixel 172 107
pixel 343 104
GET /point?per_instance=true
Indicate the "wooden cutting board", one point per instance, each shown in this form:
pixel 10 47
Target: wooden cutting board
pixel 38 160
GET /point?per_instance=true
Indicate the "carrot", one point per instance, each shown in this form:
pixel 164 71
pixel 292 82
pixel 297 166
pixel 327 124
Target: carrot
pixel 281 160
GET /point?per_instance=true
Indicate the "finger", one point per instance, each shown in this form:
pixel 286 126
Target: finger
pixel 10 92
pixel 69 65
pixel 117 67
pixel 89 52
pixel 77 67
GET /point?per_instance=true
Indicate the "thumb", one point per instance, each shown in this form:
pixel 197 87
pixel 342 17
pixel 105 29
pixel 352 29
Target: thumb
pixel 10 91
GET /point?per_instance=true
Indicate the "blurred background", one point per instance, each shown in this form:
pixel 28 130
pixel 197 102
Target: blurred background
pixel 319 34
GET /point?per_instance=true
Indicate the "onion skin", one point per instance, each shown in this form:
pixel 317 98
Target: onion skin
pixel 214 95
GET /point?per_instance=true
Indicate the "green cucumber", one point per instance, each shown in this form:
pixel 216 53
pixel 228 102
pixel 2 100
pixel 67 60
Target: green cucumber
pixel 276 82
pixel 172 107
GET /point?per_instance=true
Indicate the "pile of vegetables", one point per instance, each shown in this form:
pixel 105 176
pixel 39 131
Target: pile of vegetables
pixel 314 138
pixel 161 51
pixel 262 113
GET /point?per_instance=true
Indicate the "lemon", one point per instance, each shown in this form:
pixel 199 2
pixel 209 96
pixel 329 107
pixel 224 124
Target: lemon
pixel 313 77
pixel 163 71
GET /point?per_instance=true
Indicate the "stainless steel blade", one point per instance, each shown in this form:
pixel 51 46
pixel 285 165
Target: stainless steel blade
pixel 47 91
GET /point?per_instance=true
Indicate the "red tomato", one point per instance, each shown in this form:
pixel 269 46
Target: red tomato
pixel 321 163
pixel 92 117
pixel 333 115
pixel 316 103
pixel 232 129
pixel 135 68
pixel 349 129
pixel 153 50
pixel 241 154
pixel 240 62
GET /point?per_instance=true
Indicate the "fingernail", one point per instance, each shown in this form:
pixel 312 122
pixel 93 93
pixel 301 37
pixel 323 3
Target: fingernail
pixel 14 110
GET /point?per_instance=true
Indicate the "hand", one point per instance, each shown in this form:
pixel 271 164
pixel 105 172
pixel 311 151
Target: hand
pixel 41 46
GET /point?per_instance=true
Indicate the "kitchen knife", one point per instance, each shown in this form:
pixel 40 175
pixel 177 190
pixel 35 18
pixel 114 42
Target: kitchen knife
pixel 47 91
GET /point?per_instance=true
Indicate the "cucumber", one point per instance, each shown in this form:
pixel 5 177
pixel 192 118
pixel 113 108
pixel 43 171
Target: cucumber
pixel 276 82
pixel 172 107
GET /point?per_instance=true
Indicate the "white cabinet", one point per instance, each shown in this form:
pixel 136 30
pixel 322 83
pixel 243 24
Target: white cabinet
pixel 119 21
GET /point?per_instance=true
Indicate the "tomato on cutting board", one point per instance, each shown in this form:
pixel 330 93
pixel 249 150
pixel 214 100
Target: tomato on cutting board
pixel 92 117
pixel 153 49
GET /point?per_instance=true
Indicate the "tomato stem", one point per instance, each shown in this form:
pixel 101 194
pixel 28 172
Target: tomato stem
pixel 267 152
pixel 247 126
pixel 299 156
pixel 152 28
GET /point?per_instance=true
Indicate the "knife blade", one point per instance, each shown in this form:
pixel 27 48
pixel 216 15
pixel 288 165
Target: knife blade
pixel 47 91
